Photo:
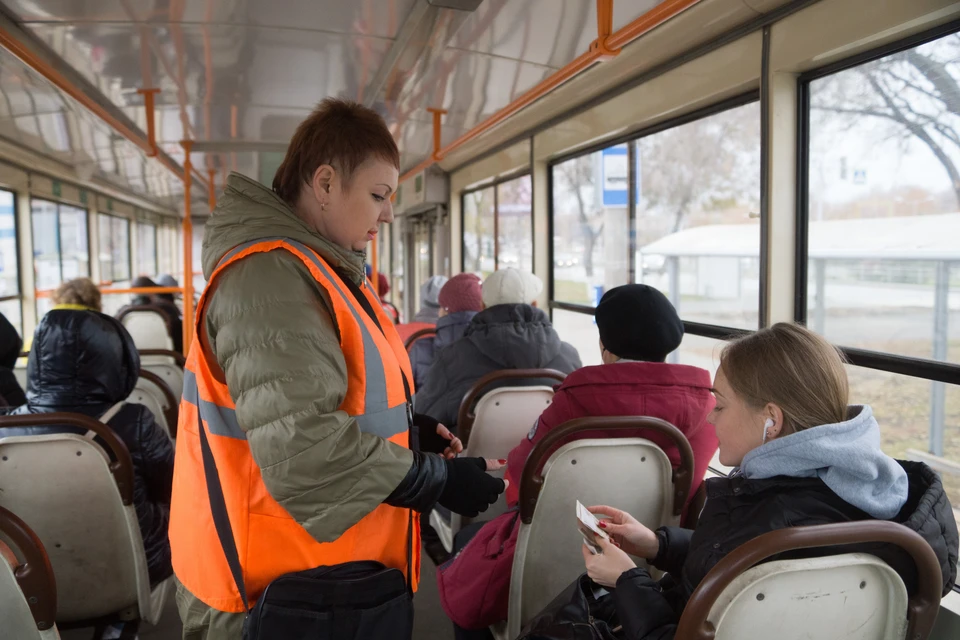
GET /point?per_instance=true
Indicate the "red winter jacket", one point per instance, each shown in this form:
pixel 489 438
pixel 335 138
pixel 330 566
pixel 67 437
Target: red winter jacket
pixel 475 586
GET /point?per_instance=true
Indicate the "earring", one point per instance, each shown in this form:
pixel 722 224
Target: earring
pixel 323 206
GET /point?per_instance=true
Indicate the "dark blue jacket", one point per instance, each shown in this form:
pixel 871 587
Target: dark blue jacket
pixel 506 336
pixel 85 362
pixel 450 328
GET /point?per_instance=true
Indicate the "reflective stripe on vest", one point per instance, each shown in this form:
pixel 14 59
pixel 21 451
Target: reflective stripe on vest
pixel 270 543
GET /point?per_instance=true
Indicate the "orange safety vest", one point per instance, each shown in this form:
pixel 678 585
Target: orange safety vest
pixel 269 541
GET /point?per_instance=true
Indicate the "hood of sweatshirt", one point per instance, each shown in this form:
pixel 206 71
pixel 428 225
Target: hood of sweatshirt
pixel 846 456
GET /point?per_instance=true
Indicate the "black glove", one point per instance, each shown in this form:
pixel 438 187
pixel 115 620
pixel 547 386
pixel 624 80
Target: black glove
pixel 469 489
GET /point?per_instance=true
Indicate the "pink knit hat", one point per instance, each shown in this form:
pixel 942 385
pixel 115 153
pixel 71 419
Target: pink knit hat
pixel 461 293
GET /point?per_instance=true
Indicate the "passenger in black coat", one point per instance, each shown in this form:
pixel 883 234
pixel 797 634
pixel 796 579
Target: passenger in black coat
pixel 10 345
pixel 86 362
pixel 801 458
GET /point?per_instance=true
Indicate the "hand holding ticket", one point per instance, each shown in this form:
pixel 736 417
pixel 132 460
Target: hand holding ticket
pixel 589 528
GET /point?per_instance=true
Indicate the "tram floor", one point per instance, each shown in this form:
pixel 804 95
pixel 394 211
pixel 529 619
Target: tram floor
pixel 430 623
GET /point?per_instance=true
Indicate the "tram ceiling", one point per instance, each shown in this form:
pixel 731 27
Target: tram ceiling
pixel 237 76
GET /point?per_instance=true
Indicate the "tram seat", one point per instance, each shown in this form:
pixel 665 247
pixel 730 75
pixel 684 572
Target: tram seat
pixel 150 329
pixel 850 596
pixel 491 423
pixel 416 335
pixel 79 501
pixel 632 474
pixel 20 369
pixel 148 325
pixel 155 394
pixel 166 364
pixel 28 591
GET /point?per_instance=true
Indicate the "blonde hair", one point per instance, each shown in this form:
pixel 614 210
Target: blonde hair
pixel 793 368
pixel 80 292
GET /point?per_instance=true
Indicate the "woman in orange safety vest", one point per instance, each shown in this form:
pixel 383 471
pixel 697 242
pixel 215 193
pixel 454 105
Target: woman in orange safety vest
pixel 301 386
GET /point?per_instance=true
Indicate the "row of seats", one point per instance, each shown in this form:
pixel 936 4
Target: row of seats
pixel 76 498
pixel 741 592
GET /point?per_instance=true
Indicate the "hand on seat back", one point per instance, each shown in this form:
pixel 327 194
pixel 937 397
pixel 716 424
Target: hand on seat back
pixel 469 490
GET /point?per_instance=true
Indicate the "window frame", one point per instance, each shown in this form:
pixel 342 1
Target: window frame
pixel 16 239
pixel 156 249
pixel 494 184
pixel 720 332
pixel 925 368
pixel 112 217
pixel 86 212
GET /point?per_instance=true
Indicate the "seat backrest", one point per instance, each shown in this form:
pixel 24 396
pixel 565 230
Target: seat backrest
pixel 167 365
pixel 632 474
pixel 28 591
pixel 80 504
pixel 150 393
pixel 148 325
pixel 416 335
pixel 504 417
pixel 497 379
pixel 852 595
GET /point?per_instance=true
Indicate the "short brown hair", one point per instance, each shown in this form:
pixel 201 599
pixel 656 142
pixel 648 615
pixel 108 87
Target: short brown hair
pixel 340 133
pixel 80 291
pixel 792 367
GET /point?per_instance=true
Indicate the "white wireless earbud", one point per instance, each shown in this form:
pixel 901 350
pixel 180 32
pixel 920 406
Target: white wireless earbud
pixel 766 425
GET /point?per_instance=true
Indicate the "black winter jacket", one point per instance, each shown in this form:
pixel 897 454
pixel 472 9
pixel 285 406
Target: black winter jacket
pixel 10 345
pixel 506 336
pixel 738 510
pixel 85 362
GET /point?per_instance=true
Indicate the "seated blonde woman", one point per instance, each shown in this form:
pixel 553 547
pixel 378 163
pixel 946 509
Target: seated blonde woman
pixel 77 294
pixel 802 456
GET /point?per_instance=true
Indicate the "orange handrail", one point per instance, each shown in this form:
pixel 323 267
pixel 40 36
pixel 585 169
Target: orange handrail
pixel 46 293
pixel 607 45
pixel 374 273
pixel 45 69
pixel 187 247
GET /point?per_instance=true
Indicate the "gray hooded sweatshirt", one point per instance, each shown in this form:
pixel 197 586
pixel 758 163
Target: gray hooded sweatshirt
pixel 845 455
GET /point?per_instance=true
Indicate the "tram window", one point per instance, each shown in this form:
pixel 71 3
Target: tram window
pixel 478 223
pixel 919 420
pixel 114 248
pixel 884 203
pixel 9 265
pixel 579 330
pixel 146 249
pixel 697 216
pixel 74 251
pixel 699 351
pixel 515 223
pixel 590 232
pixel 59 243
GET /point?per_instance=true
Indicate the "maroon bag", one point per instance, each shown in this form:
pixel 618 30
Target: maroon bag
pixel 475 585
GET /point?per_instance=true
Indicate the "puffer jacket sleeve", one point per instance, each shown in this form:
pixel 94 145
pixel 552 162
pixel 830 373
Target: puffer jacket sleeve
pixel 157 453
pixel 273 335
pixel 645 612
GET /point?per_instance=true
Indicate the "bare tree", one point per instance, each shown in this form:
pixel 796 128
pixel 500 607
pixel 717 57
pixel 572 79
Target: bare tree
pixel 579 175
pixel 917 91
pixel 705 164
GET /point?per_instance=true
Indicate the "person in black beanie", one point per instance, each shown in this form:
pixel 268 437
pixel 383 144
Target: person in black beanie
pixel 638 330
pixel 637 322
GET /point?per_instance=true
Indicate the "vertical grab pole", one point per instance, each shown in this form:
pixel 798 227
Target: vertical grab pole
pixel 374 263
pixel 437 114
pixel 148 107
pixel 212 192
pixel 187 248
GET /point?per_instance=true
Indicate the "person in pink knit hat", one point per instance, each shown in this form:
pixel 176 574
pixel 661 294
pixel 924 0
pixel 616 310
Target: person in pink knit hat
pixel 460 299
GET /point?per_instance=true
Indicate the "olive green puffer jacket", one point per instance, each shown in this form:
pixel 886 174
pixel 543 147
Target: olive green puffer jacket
pixel 271 328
